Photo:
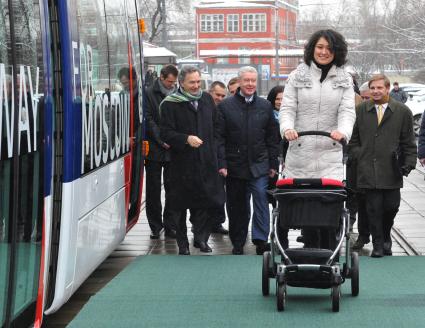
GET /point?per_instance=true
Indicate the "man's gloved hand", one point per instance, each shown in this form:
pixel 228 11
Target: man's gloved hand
pixel 405 169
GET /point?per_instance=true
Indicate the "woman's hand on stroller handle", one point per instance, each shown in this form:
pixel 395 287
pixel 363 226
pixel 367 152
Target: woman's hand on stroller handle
pixel 290 134
pixel 338 136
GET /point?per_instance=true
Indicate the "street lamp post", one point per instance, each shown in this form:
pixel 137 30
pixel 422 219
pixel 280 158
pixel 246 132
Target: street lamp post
pixel 277 66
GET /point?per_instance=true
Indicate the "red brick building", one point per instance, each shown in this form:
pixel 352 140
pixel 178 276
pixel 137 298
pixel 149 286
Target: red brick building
pixel 233 33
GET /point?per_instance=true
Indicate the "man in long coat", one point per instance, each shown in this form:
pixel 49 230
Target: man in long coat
pixel 158 159
pixel 383 143
pixel 187 125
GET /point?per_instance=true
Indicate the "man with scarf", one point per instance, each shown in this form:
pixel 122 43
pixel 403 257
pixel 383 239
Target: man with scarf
pixel 187 125
pixel 383 143
pixel 158 158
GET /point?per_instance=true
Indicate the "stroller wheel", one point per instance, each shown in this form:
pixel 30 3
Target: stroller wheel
pixel 266 273
pixel 336 295
pixel 281 296
pixel 354 274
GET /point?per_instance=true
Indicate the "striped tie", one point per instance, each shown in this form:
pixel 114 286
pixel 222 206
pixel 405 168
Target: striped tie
pixel 380 114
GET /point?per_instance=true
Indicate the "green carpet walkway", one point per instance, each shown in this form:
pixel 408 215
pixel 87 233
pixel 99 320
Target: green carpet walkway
pixel 225 291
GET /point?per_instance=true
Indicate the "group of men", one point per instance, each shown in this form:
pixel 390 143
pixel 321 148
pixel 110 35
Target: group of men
pixel 206 143
pixel 216 148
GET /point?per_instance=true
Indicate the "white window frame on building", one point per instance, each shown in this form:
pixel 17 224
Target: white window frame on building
pixel 244 60
pixel 211 23
pixel 233 23
pixel 254 23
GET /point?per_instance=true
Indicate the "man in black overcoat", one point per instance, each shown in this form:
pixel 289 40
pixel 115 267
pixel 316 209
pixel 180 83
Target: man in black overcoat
pixel 187 125
pixel 383 143
pixel 158 158
pixel 421 142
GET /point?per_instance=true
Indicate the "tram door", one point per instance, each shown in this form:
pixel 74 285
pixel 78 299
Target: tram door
pixel 21 159
pixel 136 107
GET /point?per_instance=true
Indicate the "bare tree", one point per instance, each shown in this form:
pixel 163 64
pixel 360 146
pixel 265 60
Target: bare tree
pixel 178 13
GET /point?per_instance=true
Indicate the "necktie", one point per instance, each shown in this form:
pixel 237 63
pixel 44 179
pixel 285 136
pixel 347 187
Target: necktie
pixel 380 114
pixel 195 104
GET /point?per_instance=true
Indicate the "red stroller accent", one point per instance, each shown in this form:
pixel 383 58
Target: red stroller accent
pixel 310 204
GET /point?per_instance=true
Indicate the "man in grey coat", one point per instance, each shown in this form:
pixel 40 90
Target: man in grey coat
pixel 398 94
pixel 383 143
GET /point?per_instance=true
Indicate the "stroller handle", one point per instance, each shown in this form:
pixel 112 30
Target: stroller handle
pixel 343 142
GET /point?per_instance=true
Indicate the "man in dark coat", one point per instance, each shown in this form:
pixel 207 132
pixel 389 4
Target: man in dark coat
pixel 218 93
pixel 383 143
pixel 421 142
pixel 187 125
pixel 247 134
pixel 158 159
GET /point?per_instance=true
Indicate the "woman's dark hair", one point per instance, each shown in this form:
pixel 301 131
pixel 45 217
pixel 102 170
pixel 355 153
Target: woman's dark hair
pixel 336 42
pixel 274 92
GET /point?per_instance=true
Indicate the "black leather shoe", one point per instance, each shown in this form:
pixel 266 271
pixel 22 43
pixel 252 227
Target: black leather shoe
pixel 237 251
pixel 155 234
pixel 184 251
pixel 220 229
pixel 170 233
pixel 203 246
pixel 387 248
pixel 377 252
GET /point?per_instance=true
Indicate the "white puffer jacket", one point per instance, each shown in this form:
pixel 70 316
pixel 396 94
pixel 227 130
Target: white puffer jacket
pixel 310 105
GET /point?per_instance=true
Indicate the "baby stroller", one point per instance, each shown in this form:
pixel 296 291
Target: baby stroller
pixel 310 204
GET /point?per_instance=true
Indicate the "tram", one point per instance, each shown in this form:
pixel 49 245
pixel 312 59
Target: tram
pixel 71 159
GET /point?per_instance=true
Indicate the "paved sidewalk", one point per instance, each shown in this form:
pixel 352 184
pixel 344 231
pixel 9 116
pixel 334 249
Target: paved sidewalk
pixel 411 218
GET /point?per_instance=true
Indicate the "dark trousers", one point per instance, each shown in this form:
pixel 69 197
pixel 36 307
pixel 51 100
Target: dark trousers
pixel 362 221
pixel 381 206
pixel 154 171
pixel 320 238
pixel 352 205
pixel 218 214
pixel 238 195
pixel 201 225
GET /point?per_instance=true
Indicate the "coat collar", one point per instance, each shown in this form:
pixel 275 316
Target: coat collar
pixel 332 72
pixel 304 75
pixel 371 105
pixel 242 98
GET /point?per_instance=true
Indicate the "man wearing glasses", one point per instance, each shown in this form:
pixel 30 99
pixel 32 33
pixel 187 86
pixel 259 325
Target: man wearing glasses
pixel 158 158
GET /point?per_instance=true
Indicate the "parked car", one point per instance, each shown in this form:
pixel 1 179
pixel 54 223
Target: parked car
pixel 417 106
pixel 411 88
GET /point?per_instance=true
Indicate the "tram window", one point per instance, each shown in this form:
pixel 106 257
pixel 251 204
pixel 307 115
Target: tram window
pixel 120 72
pixel 28 84
pixel 5 164
pixel 94 79
pixel 137 161
pixel 6 190
pixel 103 43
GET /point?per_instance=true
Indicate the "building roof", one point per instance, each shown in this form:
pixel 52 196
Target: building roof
pixel 244 4
pixel 158 55
pixel 252 52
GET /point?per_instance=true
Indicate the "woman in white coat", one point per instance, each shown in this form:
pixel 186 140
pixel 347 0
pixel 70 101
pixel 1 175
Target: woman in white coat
pixel 319 95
